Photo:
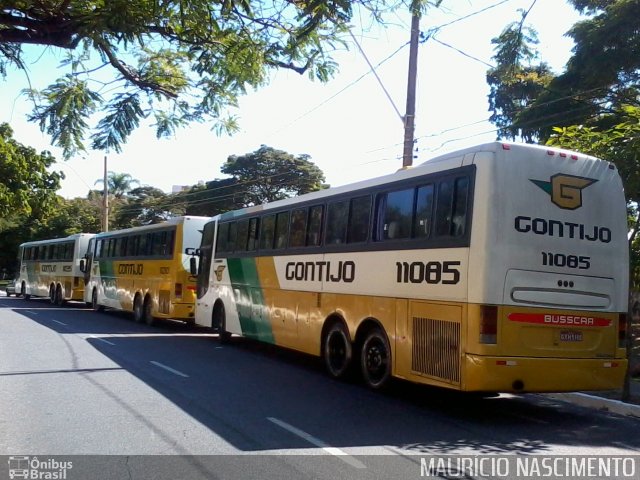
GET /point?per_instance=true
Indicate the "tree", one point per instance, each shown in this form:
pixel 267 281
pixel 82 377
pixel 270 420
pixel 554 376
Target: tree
pixel 601 77
pixel 268 174
pixel 216 196
pixel 515 82
pixel 25 183
pixel 119 184
pixel 143 206
pixel 171 60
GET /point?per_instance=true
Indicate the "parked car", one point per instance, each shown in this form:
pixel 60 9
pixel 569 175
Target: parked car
pixel 10 288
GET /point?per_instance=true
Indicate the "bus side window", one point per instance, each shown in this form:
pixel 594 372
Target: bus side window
pixel 252 245
pixel 359 220
pixel 282 229
pixel 451 208
pixel 314 227
pixel 267 231
pixel 424 212
pixel 337 216
pixel 242 235
pixel 298 227
pixel 223 235
pixel 398 214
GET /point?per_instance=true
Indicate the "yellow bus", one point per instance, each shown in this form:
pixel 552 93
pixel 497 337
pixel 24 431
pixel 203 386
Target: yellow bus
pixel 145 270
pixel 499 268
pixel 51 268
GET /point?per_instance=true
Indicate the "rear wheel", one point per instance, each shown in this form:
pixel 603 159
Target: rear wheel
pixel 138 310
pixel 375 359
pixel 52 294
pixel 219 323
pixel 94 301
pixel 148 306
pixel 59 297
pixel 23 289
pixel 337 350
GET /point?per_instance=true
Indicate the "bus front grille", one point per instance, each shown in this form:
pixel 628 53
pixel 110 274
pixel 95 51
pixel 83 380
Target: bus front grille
pixel 436 348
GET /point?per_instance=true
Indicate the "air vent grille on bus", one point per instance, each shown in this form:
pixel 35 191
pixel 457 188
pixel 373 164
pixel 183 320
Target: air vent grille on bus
pixel 436 348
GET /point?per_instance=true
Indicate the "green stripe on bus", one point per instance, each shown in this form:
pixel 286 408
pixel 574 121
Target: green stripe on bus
pixel 254 317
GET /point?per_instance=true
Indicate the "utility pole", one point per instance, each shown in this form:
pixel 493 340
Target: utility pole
pixel 105 199
pixel 409 117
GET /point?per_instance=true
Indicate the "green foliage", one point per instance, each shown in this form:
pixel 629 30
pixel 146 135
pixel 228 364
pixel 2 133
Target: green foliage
pixel 119 184
pixel 600 77
pixel 269 174
pixel 515 81
pixel 143 206
pixel 171 60
pixel 26 185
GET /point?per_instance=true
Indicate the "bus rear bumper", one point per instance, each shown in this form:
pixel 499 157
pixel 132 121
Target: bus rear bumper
pixel 523 374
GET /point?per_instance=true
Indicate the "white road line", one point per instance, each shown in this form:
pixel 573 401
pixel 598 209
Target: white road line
pixel 31 312
pixel 58 321
pixel 101 339
pixel 341 454
pixel 169 369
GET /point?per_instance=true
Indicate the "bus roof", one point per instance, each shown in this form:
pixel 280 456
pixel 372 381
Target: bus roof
pixel 436 164
pixel 56 240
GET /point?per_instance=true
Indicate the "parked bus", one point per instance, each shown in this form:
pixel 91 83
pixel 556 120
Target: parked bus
pixel 145 270
pixel 502 267
pixel 51 268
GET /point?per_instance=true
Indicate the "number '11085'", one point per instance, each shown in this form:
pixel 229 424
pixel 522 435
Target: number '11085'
pixel 550 259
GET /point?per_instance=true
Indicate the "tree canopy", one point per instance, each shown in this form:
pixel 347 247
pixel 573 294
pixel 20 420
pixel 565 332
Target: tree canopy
pixel 26 184
pixel 174 61
pixel 600 78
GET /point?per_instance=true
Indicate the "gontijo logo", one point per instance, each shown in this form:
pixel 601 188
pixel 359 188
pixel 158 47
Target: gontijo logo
pixel 565 190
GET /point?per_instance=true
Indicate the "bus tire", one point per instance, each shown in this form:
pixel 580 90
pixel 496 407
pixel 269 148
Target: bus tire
pixel 23 289
pixel 375 359
pixel 337 350
pixel 94 302
pixel 138 309
pixel 147 310
pixel 219 323
pixel 59 298
pixel 52 294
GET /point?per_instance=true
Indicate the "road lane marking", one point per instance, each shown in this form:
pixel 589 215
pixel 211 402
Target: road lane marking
pixel 101 339
pixel 58 321
pixel 169 369
pixel 31 312
pixel 341 454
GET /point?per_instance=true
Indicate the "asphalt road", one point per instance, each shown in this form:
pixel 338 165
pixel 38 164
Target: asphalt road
pixel 77 382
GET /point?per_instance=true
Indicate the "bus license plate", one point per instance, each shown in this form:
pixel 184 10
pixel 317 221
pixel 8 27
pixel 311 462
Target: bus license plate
pixel 570 336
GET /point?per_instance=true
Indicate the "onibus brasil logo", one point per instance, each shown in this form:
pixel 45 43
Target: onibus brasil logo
pixel 565 190
pixel 34 468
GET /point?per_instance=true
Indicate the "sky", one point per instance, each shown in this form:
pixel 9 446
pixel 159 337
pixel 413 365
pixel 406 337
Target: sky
pixel 348 126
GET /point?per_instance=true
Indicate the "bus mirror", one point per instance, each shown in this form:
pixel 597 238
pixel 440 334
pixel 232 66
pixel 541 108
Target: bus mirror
pixel 82 265
pixel 193 266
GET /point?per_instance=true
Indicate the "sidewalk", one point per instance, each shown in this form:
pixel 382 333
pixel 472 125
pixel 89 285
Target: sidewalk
pixel 607 400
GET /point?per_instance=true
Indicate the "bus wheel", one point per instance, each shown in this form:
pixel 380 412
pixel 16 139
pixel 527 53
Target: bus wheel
pixel 219 323
pixel 138 311
pixel 94 301
pixel 23 289
pixel 59 299
pixel 337 350
pixel 52 294
pixel 148 305
pixel 375 359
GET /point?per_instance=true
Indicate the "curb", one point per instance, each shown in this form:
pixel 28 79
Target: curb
pixel 599 403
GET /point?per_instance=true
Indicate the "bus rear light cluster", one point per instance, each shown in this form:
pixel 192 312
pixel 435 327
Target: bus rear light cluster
pixel 178 290
pixel 610 364
pixel 489 324
pixel 506 363
pixel 552 153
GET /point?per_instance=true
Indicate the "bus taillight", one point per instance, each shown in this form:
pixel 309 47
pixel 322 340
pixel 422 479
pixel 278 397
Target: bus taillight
pixel 178 290
pixel 622 330
pixel 489 324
